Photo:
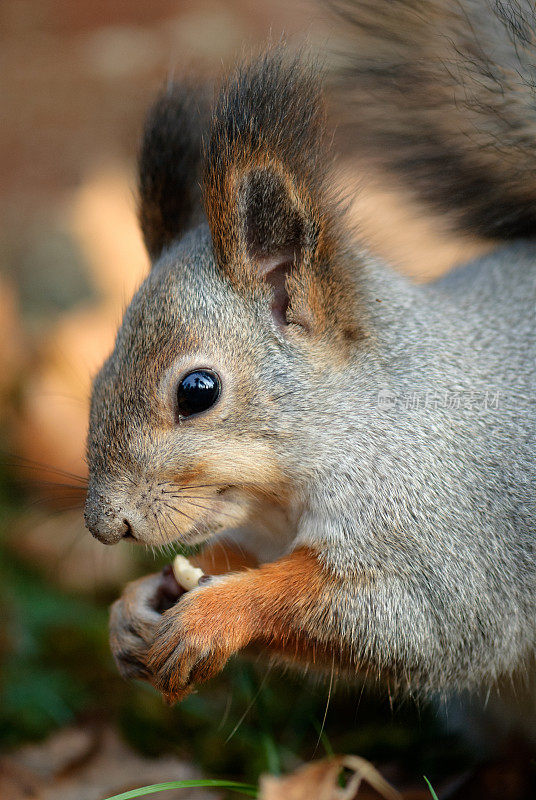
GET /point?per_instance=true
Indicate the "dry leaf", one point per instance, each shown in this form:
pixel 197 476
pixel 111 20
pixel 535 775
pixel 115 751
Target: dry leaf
pixel 103 219
pixel 12 351
pixel 88 764
pixel 319 781
pixel 52 423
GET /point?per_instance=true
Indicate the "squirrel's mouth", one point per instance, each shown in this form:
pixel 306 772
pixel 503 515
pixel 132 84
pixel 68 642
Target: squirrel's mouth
pixel 193 519
pixel 158 513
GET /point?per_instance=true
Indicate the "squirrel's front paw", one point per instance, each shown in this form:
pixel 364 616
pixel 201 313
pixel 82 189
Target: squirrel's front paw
pixel 134 621
pixel 192 643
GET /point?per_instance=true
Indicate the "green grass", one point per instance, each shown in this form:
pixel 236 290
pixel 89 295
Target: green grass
pixel 240 788
pixel 432 792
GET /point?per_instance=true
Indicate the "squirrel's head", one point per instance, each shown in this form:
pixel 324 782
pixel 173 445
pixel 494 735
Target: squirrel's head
pixel 248 312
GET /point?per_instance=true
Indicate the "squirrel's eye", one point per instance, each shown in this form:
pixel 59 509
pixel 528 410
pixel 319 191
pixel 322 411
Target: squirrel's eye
pixel 197 391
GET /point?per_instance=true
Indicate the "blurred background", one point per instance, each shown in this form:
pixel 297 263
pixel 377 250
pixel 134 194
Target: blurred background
pixel 76 79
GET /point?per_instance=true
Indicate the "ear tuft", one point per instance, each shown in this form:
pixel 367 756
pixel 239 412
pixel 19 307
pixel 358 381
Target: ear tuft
pixel 271 218
pixel 263 169
pixel 265 232
pixel 169 166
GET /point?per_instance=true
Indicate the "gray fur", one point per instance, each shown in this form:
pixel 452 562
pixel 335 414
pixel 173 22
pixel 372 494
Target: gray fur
pixel 436 505
pixel 427 513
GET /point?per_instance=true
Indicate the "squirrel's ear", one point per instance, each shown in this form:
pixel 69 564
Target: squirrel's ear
pixel 271 218
pixel 278 233
pixel 169 167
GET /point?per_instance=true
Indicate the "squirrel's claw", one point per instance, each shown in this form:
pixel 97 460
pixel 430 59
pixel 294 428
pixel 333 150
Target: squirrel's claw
pixel 186 650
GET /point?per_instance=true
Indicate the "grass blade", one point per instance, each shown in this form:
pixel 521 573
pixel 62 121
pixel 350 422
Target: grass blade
pixel 240 788
pixel 432 792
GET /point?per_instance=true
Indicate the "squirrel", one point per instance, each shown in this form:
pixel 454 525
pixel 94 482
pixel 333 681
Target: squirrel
pixel 362 448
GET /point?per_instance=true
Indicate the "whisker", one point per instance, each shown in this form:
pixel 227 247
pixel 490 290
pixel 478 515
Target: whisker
pixel 227 710
pixel 51 501
pixel 74 486
pixel 157 523
pixel 170 496
pixel 197 505
pixel 163 534
pixel 167 544
pixel 170 518
pixel 198 486
pixel 238 546
pixel 28 463
pixel 327 705
pixel 179 511
pixel 171 550
pixel 75 540
pixel 249 706
pixel 165 547
pixel 226 555
pixel 224 514
pixel 55 512
pixel 195 497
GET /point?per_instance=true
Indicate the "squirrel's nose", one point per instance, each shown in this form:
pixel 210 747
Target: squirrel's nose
pixel 111 534
pixel 106 526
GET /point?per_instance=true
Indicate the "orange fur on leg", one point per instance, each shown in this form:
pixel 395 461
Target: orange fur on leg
pixel 279 606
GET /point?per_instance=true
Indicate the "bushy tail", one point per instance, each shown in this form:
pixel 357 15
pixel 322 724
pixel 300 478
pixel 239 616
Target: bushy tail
pixel 442 93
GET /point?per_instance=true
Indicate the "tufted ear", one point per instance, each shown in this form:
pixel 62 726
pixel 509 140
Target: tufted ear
pixel 169 166
pixel 278 234
pixel 271 218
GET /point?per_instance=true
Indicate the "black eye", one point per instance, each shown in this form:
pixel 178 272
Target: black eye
pixel 197 391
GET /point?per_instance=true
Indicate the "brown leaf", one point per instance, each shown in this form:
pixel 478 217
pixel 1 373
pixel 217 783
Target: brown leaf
pixel 52 422
pixel 103 218
pixel 319 781
pixel 88 764
pixel 12 340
